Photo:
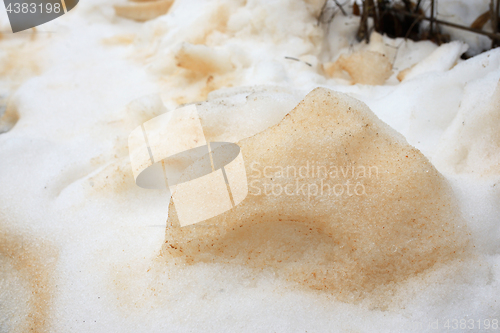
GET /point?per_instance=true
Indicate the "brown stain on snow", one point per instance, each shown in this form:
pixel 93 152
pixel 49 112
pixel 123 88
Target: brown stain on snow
pixel 217 22
pixel 10 117
pixel 30 281
pixel 363 67
pixel 143 11
pixel 353 247
pixel 18 63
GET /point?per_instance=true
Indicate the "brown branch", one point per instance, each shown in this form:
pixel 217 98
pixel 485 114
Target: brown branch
pixel 481 20
pixel 431 29
pixel 453 25
pixel 363 24
pixel 341 8
pixel 417 7
pixel 494 21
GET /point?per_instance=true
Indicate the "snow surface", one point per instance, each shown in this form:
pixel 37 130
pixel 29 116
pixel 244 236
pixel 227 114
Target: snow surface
pixel 81 83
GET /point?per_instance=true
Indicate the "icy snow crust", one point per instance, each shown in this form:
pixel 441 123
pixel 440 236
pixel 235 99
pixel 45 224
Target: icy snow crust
pixel 82 247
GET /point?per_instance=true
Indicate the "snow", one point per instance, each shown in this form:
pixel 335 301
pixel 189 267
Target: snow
pixel 80 241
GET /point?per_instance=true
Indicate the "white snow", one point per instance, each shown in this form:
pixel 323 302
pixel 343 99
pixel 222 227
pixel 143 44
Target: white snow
pixel 85 80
